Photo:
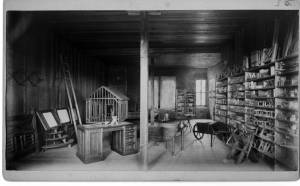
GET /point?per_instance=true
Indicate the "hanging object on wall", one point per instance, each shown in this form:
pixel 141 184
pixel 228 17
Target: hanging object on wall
pixel 34 78
pixel 21 77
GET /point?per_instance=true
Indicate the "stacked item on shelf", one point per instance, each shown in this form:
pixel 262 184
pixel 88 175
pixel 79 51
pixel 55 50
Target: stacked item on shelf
pixel 221 99
pixel 261 57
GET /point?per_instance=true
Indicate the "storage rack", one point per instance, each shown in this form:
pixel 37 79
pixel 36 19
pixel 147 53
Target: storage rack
pixel 180 102
pixel 190 103
pixel 259 106
pixel 286 115
pixel 236 101
pixel 185 102
pixel 221 106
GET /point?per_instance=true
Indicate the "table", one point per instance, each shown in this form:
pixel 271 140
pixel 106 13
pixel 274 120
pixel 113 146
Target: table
pixel 167 131
pixel 94 145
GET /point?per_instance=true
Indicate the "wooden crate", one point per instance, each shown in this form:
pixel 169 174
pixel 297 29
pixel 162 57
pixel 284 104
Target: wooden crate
pixel 91 146
pixel 125 141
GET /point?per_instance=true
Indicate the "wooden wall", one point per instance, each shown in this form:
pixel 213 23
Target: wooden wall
pixel 34 79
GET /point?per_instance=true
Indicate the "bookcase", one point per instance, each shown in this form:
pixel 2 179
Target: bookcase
pixel 236 100
pixel 259 102
pixel 221 106
pixel 185 102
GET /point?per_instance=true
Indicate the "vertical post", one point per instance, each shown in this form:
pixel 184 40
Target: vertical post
pixel 144 91
pixel 152 92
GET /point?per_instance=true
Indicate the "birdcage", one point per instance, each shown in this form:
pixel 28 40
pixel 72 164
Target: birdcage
pixel 104 103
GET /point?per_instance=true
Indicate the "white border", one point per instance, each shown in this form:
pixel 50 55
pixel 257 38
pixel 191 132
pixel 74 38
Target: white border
pixel 141 5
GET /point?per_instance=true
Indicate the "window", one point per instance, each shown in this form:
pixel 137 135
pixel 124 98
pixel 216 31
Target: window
pixel 164 92
pixel 201 92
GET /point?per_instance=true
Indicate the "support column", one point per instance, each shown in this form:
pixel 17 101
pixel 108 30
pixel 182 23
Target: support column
pixel 152 92
pixel 144 47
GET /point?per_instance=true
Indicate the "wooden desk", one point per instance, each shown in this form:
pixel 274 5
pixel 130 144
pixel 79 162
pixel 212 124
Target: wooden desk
pixel 91 146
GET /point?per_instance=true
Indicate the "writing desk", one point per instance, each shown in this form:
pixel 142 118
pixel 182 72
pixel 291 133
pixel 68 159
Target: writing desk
pixel 94 145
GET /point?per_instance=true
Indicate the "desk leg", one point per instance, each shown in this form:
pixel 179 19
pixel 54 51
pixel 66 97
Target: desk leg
pixel 182 140
pixel 101 143
pixel 173 146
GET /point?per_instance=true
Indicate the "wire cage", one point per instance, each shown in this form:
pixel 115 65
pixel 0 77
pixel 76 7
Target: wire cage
pixel 104 103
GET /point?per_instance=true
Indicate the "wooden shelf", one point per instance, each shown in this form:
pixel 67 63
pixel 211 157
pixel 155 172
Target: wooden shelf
pixel 236 83
pixel 287 86
pixel 287 97
pixel 287 73
pixel 261 79
pixel 236 112
pixel 286 121
pixel 266 88
pixel 260 67
pixel 260 116
pixel 236 105
pixel 221 109
pixel 236 90
pixel 238 74
pixel 287 109
pixel 221 79
pixel 287 58
pixel 260 98
pixel 267 108
pixel 220 104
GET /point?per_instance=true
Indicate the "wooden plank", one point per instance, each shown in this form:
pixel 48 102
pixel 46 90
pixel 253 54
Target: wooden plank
pixel 144 45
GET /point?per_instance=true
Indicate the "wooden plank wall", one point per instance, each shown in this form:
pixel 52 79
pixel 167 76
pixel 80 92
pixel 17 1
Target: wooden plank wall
pixel 35 55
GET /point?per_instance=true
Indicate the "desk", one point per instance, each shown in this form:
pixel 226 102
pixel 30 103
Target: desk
pixel 92 147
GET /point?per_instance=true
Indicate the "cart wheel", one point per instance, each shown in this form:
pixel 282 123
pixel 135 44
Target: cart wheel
pixel 198 135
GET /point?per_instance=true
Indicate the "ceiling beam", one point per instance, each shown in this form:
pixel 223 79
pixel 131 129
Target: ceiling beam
pixel 152 51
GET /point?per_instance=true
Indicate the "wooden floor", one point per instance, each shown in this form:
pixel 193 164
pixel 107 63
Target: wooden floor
pixel 196 157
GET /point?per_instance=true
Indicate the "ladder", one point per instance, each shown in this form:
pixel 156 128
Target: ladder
pixel 71 94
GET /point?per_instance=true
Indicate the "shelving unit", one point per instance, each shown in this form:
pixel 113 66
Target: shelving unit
pixel 190 103
pixel 221 105
pixel 260 105
pixel 286 114
pixel 236 101
pixel 180 102
pixel 185 102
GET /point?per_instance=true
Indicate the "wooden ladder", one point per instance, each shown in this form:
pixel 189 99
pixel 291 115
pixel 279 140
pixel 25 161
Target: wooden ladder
pixel 71 96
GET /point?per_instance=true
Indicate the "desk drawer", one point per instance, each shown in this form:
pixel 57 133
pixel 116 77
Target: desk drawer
pixel 125 141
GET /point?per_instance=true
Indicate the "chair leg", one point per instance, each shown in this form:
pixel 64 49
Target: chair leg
pixel 211 140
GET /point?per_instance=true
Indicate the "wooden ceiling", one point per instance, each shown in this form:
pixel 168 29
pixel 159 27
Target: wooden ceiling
pixel 118 32
pixel 111 33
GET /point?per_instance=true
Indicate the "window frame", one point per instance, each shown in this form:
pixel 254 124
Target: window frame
pixel 201 93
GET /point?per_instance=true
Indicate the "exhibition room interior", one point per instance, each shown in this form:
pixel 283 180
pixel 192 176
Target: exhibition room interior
pixel 206 90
